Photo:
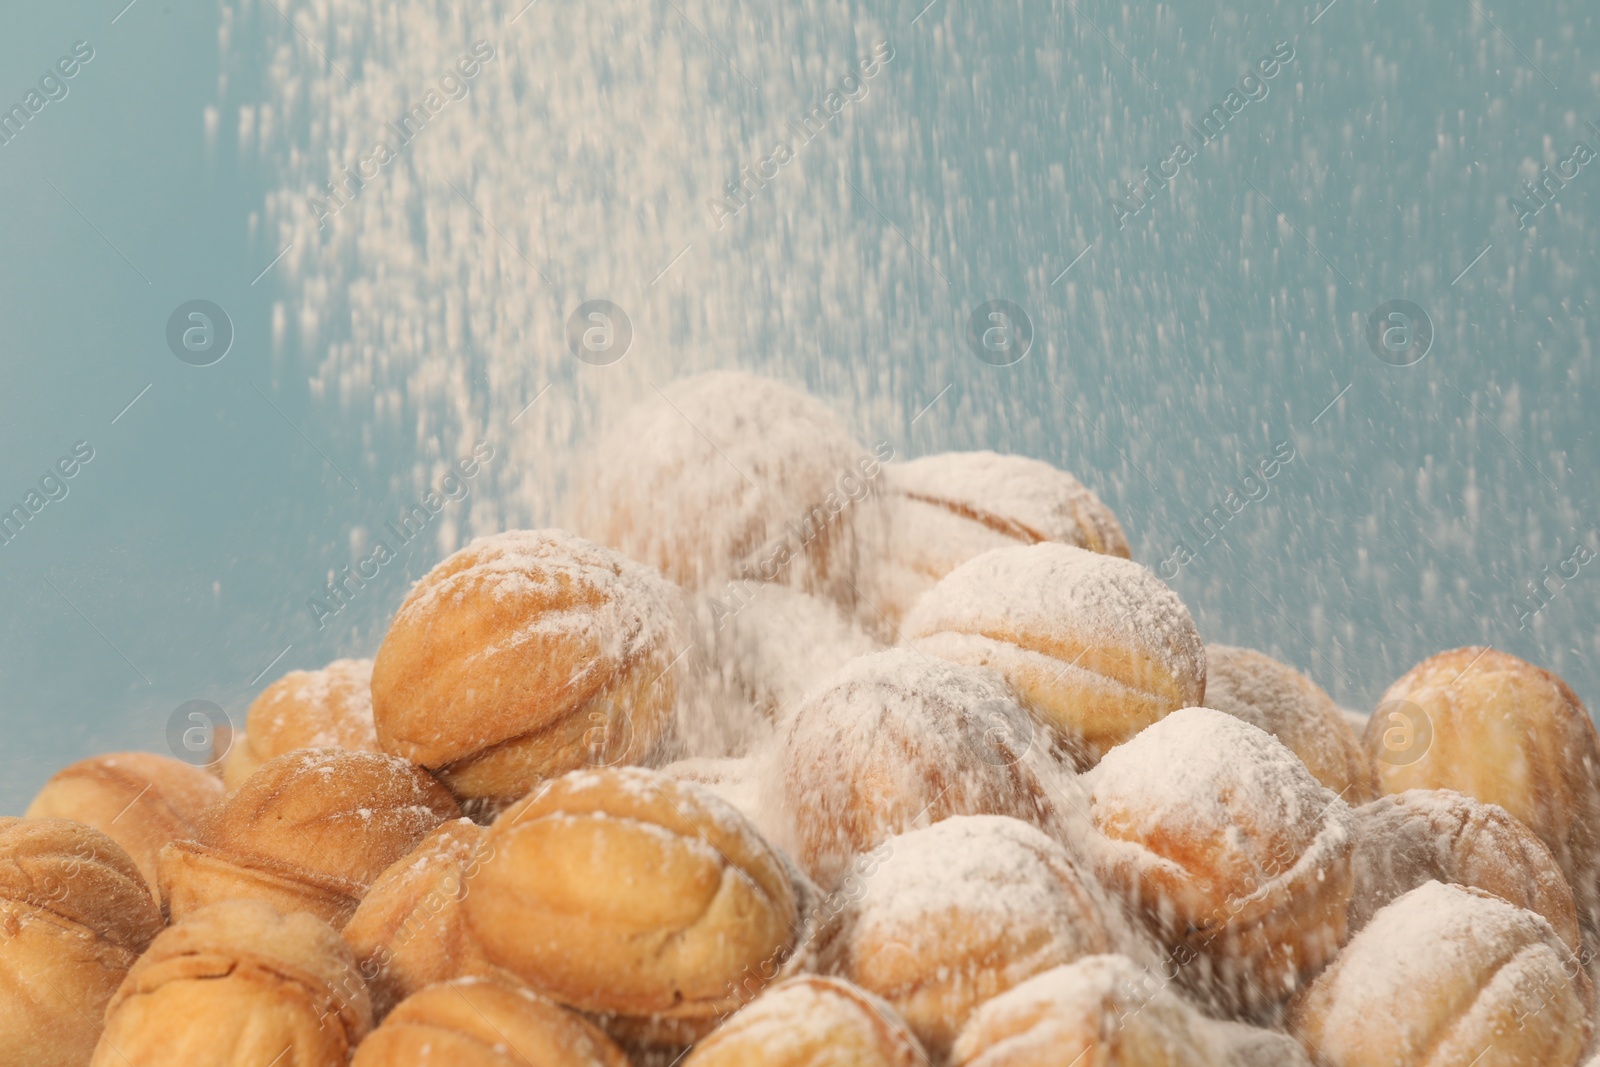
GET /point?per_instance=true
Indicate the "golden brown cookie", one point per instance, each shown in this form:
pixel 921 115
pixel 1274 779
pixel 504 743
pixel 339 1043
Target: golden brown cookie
pixel 728 476
pixel 1425 835
pixel 138 799
pixel 238 984
pixel 900 739
pixel 1291 707
pixel 1107 1011
pixel 637 897
pixel 1096 645
pixel 936 512
pixel 327 708
pixel 485 1022
pixel 959 912
pixel 526 655
pixel 811 1021
pixel 1449 975
pixel 1238 859
pixel 74 915
pixel 409 931
pixel 1504 732
pixel 309 831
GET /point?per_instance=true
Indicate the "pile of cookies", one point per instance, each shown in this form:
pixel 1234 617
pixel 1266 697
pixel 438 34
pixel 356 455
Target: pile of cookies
pixel 799 755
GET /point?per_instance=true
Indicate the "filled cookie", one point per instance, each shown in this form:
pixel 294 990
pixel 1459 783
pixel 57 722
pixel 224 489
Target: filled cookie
pixel 636 897
pixel 1424 835
pixel 1291 707
pixel 900 739
pixel 1236 856
pixel 409 931
pixel 526 655
pixel 811 1021
pixel 140 800
pixel 327 708
pixel 727 476
pixel 1107 1011
pixel 1505 732
pixel 309 831
pixel 1449 975
pixel 936 512
pixel 238 984
pixel 75 913
pixel 1096 645
pixel 959 912
pixel 485 1022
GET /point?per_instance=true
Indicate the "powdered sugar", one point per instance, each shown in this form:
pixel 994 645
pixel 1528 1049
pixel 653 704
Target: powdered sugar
pixel 1024 499
pixel 821 1016
pixel 682 796
pixel 1250 686
pixel 1278 699
pixel 982 875
pixel 561 585
pixel 781 644
pixel 1201 771
pixel 331 707
pixel 909 698
pixel 1058 594
pixel 899 739
pixel 703 477
pixel 1407 839
pixel 1109 1006
pixel 732 780
pixel 1436 933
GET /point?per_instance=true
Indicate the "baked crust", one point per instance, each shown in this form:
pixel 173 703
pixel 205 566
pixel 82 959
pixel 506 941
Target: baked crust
pixel 811 1021
pixel 238 983
pixel 1237 858
pixel 635 896
pixel 1096 645
pixel 526 655
pixel 1277 698
pixel 1107 1010
pixel 309 831
pixel 75 913
pixel 1424 835
pixel 936 512
pixel 1449 975
pixel 486 1022
pixel 957 913
pixel 140 800
pixel 326 708
pixel 1505 732
pixel 898 740
pixel 409 930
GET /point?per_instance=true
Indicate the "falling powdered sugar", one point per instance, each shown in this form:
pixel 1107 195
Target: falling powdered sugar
pixel 781 642
pixel 714 478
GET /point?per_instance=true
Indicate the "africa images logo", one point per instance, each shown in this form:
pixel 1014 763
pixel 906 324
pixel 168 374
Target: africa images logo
pixel 1136 196
pixel 455 84
pixel 52 87
pixel 852 88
